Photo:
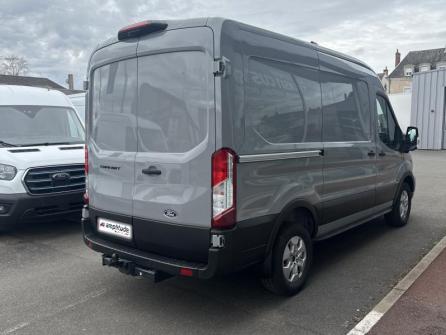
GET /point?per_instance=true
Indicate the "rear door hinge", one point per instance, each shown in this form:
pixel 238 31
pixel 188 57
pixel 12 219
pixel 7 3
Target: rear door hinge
pixel 222 67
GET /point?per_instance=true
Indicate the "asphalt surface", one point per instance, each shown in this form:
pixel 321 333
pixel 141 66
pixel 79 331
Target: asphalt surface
pixel 50 283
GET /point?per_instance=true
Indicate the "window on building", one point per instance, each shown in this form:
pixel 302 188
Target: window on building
pixel 425 67
pixel 346 109
pixel 441 65
pixel 408 70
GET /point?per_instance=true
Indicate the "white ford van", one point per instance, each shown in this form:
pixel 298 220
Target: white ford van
pixel 41 156
pixel 78 101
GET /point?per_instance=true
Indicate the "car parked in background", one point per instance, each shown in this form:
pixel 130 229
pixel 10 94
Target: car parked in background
pixel 41 156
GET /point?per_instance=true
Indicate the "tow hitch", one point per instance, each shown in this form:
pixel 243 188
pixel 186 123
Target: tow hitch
pixel 130 268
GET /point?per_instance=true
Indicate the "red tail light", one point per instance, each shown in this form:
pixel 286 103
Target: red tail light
pixel 86 198
pixel 186 272
pixel 223 188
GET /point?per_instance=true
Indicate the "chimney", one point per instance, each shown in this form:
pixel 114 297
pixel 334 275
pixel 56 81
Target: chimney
pixel 397 58
pixel 70 81
pixel 386 72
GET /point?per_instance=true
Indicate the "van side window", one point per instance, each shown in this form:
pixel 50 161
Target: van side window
pixel 282 103
pixel 346 109
pixel 74 130
pixel 387 129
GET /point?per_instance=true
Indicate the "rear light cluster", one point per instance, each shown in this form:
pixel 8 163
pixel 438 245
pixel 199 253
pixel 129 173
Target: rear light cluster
pixel 223 188
pixel 86 198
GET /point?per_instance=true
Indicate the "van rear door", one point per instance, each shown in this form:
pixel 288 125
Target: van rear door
pixel 175 141
pixel 112 139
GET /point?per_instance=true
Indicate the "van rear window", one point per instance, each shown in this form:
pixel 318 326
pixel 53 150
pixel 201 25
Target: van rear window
pixel 114 102
pixel 173 101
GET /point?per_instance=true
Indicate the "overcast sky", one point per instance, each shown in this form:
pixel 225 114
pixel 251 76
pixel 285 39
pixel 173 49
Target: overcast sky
pixel 57 36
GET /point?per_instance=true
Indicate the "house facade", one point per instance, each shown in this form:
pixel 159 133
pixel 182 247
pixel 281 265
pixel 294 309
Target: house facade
pixel 400 79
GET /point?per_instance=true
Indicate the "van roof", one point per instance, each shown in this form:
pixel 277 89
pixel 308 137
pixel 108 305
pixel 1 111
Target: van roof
pixel 216 23
pixel 13 95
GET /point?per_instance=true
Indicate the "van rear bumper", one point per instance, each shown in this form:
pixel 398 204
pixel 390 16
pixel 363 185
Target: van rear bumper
pixel 219 260
pixel 244 245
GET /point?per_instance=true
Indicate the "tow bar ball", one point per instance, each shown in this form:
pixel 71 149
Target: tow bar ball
pixel 130 268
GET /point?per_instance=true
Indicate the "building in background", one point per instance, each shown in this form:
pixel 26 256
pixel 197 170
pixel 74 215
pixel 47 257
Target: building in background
pixel 38 82
pixel 428 111
pixel 400 79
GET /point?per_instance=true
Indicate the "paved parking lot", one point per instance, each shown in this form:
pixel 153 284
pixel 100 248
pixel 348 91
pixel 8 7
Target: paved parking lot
pixel 50 283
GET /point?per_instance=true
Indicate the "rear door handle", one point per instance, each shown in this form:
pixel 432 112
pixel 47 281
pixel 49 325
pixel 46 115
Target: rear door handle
pixel 382 154
pixel 151 170
pixel 371 153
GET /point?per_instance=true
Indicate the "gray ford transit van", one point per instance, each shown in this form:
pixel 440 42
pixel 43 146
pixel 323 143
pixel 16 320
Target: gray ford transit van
pixel 214 145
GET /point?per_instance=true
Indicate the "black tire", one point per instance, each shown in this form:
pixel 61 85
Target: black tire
pixel 396 218
pixel 276 282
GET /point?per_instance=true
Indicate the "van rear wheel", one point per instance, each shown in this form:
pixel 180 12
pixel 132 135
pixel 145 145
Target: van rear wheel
pixel 291 260
pixel 399 216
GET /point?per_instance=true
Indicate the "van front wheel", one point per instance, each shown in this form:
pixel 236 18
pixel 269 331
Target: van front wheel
pixel 399 216
pixel 292 258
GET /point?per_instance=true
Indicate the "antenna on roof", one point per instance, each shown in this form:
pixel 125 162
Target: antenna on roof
pixel 313 42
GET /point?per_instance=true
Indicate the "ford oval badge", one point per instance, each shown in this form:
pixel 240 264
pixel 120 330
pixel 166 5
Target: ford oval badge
pixel 60 176
pixel 170 213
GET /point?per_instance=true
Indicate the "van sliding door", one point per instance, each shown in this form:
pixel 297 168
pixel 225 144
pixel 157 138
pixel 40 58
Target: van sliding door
pixel 349 144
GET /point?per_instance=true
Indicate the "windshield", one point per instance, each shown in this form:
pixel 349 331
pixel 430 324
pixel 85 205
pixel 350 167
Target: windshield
pixel 39 125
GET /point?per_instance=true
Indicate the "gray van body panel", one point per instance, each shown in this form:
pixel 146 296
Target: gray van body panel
pixel 183 185
pixel 340 183
pixel 266 184
pixel 394 166
pixel 349 172
pixel 112 172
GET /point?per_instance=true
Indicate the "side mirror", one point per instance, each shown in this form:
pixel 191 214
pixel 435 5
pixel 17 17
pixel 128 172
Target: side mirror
pixel 411 139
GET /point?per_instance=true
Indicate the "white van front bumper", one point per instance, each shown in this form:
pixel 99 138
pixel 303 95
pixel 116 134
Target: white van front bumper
pixel 21 207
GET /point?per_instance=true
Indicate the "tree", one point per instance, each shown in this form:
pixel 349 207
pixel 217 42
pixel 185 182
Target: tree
pixel 14 65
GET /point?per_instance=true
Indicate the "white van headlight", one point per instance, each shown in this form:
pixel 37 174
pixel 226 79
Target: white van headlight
pixel 7 172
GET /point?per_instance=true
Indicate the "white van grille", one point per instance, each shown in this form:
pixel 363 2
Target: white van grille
pixel 55 179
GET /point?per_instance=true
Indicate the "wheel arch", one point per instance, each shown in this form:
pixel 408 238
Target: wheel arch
pixel 410 180
pixel 405 178
pixel 289 210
